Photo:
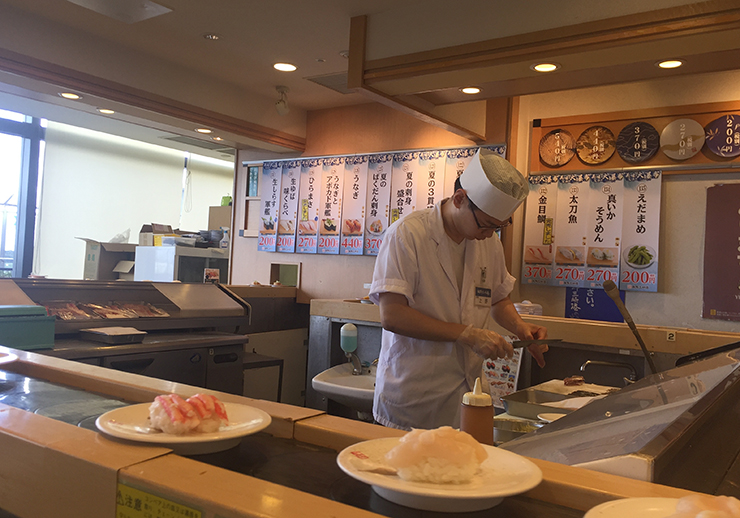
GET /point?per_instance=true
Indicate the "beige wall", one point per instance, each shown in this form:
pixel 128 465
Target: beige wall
pixel 679 300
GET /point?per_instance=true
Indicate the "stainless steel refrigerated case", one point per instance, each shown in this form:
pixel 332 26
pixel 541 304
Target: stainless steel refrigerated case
pixel 677 427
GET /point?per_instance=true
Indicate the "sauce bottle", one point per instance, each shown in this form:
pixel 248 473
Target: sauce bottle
pixel 476 415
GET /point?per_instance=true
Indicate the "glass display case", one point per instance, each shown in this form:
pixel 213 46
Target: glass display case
pixel 676 427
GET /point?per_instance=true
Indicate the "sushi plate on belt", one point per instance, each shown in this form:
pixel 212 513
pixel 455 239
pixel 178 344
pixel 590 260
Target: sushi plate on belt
pixel 502 474
pixel 132 423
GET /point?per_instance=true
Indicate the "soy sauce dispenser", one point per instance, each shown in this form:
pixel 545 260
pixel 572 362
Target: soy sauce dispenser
pixel 476 414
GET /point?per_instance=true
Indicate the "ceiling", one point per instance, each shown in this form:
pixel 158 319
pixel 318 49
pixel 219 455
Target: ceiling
pixel 152 64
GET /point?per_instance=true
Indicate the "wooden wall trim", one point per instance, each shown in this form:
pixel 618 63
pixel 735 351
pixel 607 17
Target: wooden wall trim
pixel 357 45
pixel 709 16
pixel 51 73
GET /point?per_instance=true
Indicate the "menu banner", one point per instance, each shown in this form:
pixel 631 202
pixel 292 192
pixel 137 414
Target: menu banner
pixel 378 201
pixel 353 205
pixel 332 179
pixel 604 218
pixel 290 184
pixel 308 206
pixel 430 188
pixel 539 218
pixel 269 206
pixel 571 214
pixel 403 182
pixel 640 231
pixel 722 253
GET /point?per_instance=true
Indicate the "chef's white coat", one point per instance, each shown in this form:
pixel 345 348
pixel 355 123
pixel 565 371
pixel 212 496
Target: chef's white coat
pixel 420 383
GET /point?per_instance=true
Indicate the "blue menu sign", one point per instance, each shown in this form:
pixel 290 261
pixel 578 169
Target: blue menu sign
pixel 591 304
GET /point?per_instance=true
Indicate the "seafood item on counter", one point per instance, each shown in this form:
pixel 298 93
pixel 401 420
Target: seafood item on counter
pixel 172 414
pixel 572 381
pixel 709 506
pixel 441 456
pixel 211 411
pixel 307 227
pixel 68 310
pixel 142 309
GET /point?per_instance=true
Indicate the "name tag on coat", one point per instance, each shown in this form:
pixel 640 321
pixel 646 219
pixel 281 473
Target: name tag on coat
pixel 482 296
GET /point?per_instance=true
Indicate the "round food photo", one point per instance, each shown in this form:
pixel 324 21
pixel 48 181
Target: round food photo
pixel 639 256
pixel 375 226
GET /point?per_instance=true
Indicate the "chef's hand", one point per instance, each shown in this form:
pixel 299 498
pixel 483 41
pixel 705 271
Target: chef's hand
pixel 485 343
pixel 528 331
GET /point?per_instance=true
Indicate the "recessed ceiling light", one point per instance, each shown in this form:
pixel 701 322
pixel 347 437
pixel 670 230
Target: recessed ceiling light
pixel 670 63
pixel 545 67
pixel 217 139
pixel 106 111
pixel 284 67
pixel 211 36
pixel 470 90
pixel 70 95
pixel 204 130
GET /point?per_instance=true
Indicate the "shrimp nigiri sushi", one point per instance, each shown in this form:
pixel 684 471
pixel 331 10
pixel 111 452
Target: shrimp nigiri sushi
pixel 211 411
pixel 443 455
pixel 172 414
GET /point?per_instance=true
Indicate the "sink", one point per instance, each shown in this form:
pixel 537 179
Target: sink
pixel 339 384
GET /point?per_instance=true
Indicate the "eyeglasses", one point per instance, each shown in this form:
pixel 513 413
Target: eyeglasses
pixel 487 227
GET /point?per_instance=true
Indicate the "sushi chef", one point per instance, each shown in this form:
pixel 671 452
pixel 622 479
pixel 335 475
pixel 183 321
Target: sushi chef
pixel 440 279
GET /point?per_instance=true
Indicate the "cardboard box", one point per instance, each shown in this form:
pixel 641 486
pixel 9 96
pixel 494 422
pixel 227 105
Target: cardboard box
pixel 148 231
pixel 125 270
pixel 219 217
pixel 102 258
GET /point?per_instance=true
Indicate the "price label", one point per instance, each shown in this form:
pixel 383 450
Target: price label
pixel 134 503
pixel 595 277
pixel 537 274
pixel 306 243
pixel 639 280
pixel 286 243
pixel 328 244
pixel 266 242
pixel 567 276
pixel 351 245
pixel 372 245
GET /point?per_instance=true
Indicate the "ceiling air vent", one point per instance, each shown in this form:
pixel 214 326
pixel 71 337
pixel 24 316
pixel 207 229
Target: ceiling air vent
pixel 190 141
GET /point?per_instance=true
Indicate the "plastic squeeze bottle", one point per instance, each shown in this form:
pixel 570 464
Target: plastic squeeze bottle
pixel 476 414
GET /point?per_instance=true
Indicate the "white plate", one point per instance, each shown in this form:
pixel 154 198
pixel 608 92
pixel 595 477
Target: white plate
pixel 7 358
pixel 634 508
pixel 502 474
pixel 549 418
pixel 132 423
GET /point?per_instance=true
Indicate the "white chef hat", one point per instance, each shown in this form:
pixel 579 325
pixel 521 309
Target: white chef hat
pixel 494 185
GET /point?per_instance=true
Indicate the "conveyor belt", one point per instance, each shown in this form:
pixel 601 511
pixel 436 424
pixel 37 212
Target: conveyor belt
pixel 287 462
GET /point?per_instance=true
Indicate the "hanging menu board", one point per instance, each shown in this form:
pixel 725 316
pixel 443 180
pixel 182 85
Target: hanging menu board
pixel 290 182
pixel 404 177
pixel 640 231
pixel 572 224
pixel 430 187
pixel 308 220
pixel 332 178
pixel 378 201
pixel 539 221
pixel 270 201
pixel 353 205
pixel 604 220
pixel 591 228
pixel 455 163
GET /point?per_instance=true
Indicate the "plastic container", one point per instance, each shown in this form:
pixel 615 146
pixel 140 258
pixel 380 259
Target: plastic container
pixel 224 243
pixel 476 414
pixel 348 338
pixel 526 307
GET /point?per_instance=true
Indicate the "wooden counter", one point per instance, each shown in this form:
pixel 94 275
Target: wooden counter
pixel 606 334
pixel 79 471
